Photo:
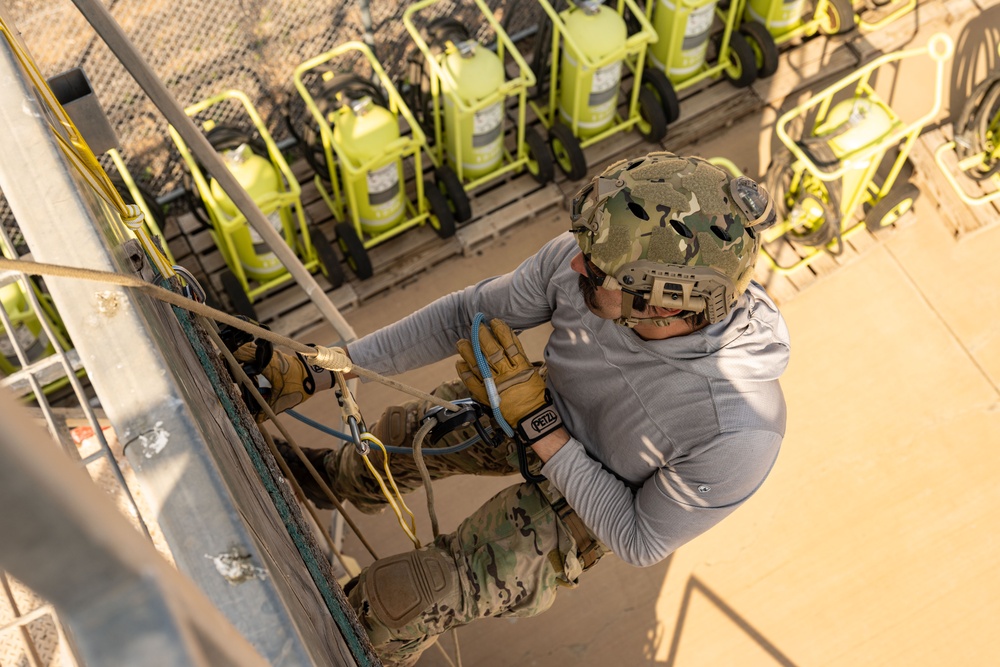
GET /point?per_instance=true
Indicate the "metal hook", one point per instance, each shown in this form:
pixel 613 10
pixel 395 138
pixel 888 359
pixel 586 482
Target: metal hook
pixel 360 445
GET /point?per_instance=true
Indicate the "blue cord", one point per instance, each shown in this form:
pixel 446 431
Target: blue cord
pixel 319 427
pixel 484 370
pixel 392 450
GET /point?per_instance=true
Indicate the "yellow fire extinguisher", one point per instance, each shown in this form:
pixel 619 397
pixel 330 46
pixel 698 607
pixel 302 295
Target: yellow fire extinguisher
pixel 592 97
pixel 362 127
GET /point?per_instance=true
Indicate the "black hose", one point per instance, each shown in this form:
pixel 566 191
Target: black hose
pixel 971 129
pixel 348 86
pixel 778 180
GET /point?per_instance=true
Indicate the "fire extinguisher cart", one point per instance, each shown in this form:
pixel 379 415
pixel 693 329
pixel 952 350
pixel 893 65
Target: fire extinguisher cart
pixel 851 169
pixel 789 20
pixel 262 170
pixel 971 160
pixel 589 46
pixel 685 28
pixel 362 152
pixel 470 92
pixel 24 320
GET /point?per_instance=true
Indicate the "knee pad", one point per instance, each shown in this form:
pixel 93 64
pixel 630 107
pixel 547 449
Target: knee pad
pixel 393 427
pixel 401 588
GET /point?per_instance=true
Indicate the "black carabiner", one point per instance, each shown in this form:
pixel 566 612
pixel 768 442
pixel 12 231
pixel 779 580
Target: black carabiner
pixel 522 463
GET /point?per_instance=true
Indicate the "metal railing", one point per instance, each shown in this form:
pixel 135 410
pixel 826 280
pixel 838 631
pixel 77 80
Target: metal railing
pixel 245 592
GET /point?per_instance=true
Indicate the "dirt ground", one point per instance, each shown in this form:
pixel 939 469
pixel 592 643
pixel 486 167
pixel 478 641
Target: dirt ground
pixel 875 539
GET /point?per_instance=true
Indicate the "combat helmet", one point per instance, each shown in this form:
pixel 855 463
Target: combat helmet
pixel 676 232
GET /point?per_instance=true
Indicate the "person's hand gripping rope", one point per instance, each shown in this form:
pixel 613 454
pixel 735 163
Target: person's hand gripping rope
pixel 524 401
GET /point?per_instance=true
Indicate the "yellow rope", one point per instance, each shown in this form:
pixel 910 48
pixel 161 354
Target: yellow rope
pixel 330 358
pixel 81 157
pixel 237 369
pixel 397 502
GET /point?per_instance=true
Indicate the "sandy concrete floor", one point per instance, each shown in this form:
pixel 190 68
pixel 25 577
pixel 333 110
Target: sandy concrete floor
pixel 875 540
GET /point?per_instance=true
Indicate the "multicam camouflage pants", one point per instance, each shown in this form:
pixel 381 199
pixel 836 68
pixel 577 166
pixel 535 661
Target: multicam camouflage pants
pixel 507 559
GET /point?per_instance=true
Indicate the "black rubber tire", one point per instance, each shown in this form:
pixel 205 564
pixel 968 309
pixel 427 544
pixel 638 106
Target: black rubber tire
pixel 238 298
pixel 652 115
pixel 329 262
pixel 658 82
pixel 742 56
pixel 451 187
pixel 765 50
pixel 567 152
pixel 839 18
pixel 354 250
pixel 890 208
pixel 440 211
pixel 540 164
pixel 889 159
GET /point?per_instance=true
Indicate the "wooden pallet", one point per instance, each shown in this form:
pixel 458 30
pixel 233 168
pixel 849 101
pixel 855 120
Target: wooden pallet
pixel 960 218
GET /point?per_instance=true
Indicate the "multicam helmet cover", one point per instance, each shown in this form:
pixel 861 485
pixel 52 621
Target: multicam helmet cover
pixel 679 232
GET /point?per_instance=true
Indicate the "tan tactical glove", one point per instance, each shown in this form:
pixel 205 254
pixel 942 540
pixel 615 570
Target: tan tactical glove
pixel 292 379
pixel 524 402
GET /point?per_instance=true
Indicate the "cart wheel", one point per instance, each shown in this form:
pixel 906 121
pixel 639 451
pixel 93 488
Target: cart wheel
pixel 839 18
pixel 652 125
pixel 813 203
pixel 354 250
pixel 658 82
pixel 449 185
pixel 742 69
pixel 765 51
pixel 539 156
pixel 441 218
pixel 566 149
pixel 329 263
pixel 237 295
pixel 891 208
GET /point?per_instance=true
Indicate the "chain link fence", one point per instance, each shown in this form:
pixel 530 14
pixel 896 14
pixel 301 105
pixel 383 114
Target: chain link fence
pixel 203 47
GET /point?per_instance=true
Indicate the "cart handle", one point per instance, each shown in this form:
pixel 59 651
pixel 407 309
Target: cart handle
pixel 272 148
pixel 939 47
pixel 525 77
pixel 646 35
pixel 971 200
pixel 395 100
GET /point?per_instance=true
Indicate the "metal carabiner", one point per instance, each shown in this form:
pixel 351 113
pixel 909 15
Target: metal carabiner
pixel 360 445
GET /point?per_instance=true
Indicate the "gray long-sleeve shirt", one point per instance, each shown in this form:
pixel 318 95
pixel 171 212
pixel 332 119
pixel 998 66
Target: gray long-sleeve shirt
pixel 668 437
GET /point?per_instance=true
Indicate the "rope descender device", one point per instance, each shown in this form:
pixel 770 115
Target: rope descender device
pixel 468 414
